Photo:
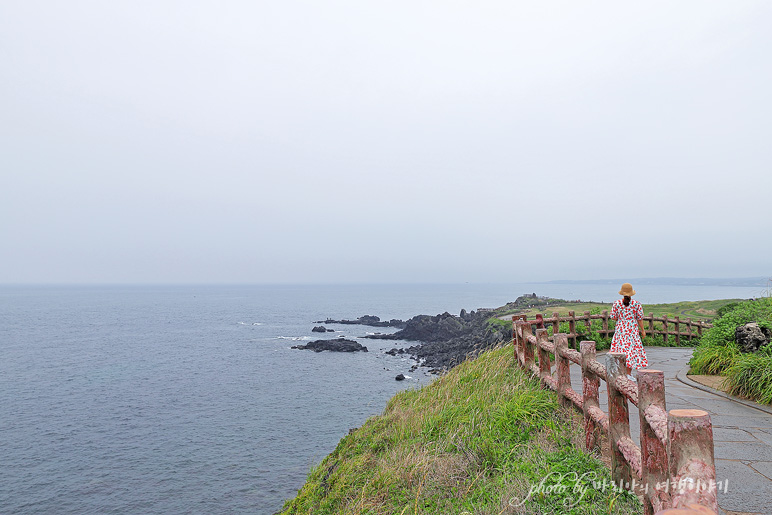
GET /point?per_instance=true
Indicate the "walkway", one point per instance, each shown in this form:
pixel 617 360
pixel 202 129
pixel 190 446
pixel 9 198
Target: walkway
pixel 742 431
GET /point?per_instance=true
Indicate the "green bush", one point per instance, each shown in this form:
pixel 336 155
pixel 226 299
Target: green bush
pixel 726 309
pixel 717 350
pixel 747 374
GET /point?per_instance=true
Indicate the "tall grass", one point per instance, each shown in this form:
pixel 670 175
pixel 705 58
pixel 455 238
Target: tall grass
pixel 750 375
pixel 747 374
pixel 476 441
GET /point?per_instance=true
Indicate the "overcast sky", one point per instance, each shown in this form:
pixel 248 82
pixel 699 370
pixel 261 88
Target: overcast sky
pixel 400 141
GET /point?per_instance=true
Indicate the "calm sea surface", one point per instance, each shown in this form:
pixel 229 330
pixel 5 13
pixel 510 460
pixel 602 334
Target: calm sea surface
pixel 189 399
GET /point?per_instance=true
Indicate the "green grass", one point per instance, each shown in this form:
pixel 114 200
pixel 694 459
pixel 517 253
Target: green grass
pixel 750 376
pixel 703 310
pixel 477 440
pixel 747 375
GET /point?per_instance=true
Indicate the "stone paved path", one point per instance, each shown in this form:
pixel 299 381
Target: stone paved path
pixel 742 431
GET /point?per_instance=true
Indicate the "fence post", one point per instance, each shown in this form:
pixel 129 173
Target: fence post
pixel 516 319
pixel 654 465
pixel 587 322
pixel 555 323
pixel 618 419
pixel 590 387
pixel 699 328
pixel 515 339
pixel 561 365
pixel 605 323
pixel 539 321
pixel 692 467
pixel 664 328
pixel 527 347
pixel 692 509
pixel 545 367
pixel 677 331
pixel 572 327
pixel 651 323
pixel 689 327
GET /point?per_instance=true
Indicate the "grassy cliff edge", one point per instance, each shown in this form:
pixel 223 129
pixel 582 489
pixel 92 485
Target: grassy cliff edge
pixel 483 438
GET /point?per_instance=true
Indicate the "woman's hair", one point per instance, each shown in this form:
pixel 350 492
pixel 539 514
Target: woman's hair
pixel 627 300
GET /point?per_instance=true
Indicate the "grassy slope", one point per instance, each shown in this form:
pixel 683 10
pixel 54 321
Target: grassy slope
pixel 473 441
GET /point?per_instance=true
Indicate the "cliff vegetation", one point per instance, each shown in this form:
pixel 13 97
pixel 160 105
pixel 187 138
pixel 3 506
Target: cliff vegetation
pixel 481 439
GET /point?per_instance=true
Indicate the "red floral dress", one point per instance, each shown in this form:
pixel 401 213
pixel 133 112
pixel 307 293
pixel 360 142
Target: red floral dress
pixel 626 337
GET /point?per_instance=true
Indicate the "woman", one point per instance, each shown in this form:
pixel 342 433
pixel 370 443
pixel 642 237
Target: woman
pixel 628 314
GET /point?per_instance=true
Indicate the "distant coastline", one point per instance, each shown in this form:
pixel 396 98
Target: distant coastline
pixel 673 281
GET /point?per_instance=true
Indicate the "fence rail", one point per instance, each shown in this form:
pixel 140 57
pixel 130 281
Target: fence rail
pixel 674 461
pixel 687 328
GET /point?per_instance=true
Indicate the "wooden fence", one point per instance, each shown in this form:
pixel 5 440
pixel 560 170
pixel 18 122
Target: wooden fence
pixel 687 328
pixel 673 467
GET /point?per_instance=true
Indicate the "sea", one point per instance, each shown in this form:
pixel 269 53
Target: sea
pixel 191 399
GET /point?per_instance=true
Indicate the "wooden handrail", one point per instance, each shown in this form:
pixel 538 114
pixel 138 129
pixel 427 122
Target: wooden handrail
pixel 677 445
pixel 606 330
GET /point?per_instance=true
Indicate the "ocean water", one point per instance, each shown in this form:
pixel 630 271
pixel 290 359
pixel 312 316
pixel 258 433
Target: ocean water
pixel 189 399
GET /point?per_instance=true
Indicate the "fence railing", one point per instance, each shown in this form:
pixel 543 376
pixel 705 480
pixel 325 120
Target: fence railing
pixel 687 328
pixel 674 460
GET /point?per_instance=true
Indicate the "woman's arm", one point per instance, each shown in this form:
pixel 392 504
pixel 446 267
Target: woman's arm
pixel 642 328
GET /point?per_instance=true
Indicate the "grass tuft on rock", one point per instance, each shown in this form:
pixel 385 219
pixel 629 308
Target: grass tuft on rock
pixel 477 440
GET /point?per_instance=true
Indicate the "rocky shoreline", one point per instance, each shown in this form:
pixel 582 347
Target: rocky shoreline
pixel 446 340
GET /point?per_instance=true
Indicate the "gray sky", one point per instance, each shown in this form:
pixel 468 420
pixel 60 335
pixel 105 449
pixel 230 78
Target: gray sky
pixel 404 141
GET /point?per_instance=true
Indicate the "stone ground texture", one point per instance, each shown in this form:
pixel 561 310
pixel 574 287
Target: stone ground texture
pixel 742 430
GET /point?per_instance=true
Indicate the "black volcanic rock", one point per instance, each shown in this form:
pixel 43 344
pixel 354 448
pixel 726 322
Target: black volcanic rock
pixel 369 320
pixel 334 345
pixel 400 377
pixel 321 329
pixel 750 337
pixel 447 340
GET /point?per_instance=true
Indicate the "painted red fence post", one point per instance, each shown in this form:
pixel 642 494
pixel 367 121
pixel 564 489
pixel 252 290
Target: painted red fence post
pixel 545 367
pixel 562 368
pixel 619 419
pixel 590 387
pixel 653 418
pixel 515 340
pixel 692 509
pixel 692 467
pixel 664 329
pixel 528 361
pixel 518 340
pixel 605 323
pixel 572 327
pixel 555 323
pixel 677 331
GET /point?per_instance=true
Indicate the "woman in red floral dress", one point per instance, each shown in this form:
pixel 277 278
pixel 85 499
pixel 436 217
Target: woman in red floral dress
pixel 629 329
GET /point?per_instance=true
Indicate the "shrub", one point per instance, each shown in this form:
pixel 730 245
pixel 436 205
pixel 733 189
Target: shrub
pixel 718 351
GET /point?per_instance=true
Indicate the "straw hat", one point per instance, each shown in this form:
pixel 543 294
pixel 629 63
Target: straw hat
pixel 627 290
